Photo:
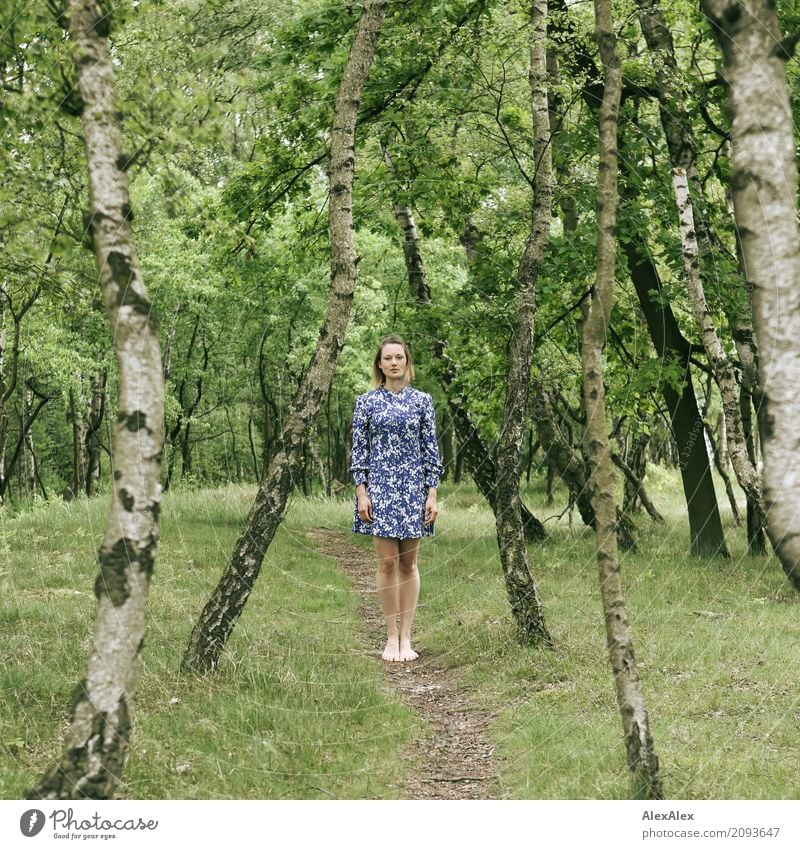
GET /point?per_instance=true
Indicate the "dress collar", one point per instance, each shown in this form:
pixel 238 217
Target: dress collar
pixel 398 393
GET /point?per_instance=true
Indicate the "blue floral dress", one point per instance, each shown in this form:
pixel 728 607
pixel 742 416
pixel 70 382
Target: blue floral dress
pixel 396 455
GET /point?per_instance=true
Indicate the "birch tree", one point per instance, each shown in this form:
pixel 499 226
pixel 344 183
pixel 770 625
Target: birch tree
pixel 643 771
pixel 695 235
pixel 764 187
pixel 520 586
pixel 707 538
pixel 721 366
pixel 100 723
pixel 524 606
pixel 223 609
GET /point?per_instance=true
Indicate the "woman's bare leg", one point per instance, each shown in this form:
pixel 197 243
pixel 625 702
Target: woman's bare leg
pixel 408 595
pixel 386 582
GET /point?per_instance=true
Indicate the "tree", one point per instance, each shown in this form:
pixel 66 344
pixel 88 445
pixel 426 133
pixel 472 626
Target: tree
pixel 764 186
pixel 721 366
pixel 672 348
pixel 100 722
pixel 645 782
pixel 522 591
pixel 696 235
pixel 223 609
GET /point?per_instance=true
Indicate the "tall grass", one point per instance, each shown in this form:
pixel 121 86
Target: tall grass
pixel 300 708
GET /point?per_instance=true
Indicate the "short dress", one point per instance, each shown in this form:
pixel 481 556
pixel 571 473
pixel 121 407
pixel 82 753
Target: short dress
pixel 396 455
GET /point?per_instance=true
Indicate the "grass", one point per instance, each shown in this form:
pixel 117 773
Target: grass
pixel 299 710
pixel 286 716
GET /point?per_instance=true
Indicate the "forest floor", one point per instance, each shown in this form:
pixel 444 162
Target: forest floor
pixel 452 756
pixel 302 707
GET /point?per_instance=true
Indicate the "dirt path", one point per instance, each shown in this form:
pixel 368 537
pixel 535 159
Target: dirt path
pixel 452 757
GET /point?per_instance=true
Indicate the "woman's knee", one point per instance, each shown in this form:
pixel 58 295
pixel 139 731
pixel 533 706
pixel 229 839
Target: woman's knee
pixel 388 565
pixel 407 565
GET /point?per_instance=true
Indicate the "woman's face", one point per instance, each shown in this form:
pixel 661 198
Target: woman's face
pixel 393 361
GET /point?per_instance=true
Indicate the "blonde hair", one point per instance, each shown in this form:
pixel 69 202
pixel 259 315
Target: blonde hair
pixel 378 377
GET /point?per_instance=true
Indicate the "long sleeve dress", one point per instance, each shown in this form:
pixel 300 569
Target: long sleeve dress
pixel 396 455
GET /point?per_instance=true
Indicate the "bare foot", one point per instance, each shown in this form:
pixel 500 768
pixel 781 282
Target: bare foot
pixel 406 652
pixel 392 650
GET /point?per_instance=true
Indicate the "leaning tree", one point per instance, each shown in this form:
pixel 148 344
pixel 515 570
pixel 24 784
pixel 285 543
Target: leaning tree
pixel 100 723
pixel 222 611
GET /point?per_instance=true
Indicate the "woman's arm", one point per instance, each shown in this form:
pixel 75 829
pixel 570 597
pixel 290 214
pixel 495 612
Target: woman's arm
pixel 429 447
pixel 431 510
pixel 359 455
pixel 359 458
pixel 431 467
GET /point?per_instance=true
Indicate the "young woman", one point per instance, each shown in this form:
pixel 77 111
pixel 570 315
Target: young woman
pixel 395 467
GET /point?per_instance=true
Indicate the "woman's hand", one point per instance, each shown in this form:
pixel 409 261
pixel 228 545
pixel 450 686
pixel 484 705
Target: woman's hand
pixel 364 507
pixel 431 510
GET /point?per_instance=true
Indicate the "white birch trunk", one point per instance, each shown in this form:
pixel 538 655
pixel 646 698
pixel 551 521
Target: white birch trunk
pixel 721 366
pixel 99 729
pixel 764 186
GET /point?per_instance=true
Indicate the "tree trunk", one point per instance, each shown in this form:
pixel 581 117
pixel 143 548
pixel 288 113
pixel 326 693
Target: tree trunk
pixel 100 722
pixel 635 458
pixel 94 446
pixel 530 451
pixel 564 461
pixel 520 586
pixel 643 770
pixel 677 124
pixel 716 453
pixel 178 435
pixel 223 609
pixel 328 478
pixel 458 472
pixel 721 366
pixel 186 451
pixel 27 463
pixel 78 422
pixel 252 443
pixel 417 277
pixel 475 454
pixel 317 461
pixel 473 451
pixel 448 445
pixel 755 532
pixel 749 396
pixel 549 487
pixel 9 378
pixel 764 183
pixel 705 526
pixel 696 245
pixel 635 486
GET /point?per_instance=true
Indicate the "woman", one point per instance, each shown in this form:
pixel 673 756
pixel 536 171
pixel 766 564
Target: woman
pixel 395 467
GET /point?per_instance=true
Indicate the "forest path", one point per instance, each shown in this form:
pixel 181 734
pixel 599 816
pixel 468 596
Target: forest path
pixel 452 754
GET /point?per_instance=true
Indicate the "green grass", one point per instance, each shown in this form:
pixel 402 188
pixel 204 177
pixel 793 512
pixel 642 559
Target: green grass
pixel 299 710
pixel 288 714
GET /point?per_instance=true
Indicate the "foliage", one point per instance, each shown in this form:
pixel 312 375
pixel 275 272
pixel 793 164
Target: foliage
pixel 227 135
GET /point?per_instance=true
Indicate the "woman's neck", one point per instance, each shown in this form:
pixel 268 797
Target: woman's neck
pixel 395 384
